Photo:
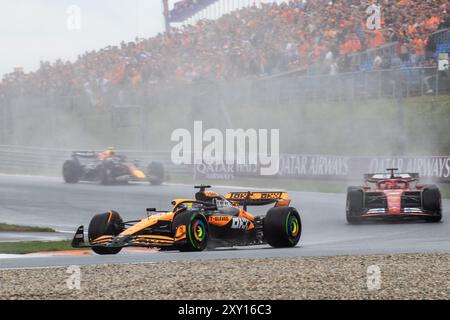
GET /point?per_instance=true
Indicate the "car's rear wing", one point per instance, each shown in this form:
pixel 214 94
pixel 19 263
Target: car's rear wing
pixel 280 199
pixel 386 176
pixel 84 154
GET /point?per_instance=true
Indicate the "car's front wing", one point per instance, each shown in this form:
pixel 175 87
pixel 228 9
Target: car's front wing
pixel 404 213
pixel 145 241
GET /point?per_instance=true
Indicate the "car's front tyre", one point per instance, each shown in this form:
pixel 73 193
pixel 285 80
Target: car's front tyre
pixel 355 204
pixel 196 230
pixel 432 202
pixel 72 171
pixel 105 224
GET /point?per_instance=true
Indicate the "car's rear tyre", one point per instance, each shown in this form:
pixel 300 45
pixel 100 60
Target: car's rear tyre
pixel 197 231
pixel 355 204
pixel 72 171
pixel 432 202
pixel 155 173
pixel 282 227
pixel 105 224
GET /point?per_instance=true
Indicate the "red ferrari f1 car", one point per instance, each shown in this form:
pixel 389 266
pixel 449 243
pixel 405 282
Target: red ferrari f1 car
pixel 393 196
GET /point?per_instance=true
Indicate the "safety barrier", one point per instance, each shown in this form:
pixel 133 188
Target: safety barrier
pixel 48 161
pixel 335 168
pixel 441 36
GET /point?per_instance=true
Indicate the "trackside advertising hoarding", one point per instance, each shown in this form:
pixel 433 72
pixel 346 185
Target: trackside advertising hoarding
pixel 333 168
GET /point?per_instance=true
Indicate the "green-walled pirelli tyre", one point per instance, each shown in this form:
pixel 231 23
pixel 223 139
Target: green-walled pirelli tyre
pixel 105 224
pixel 282 227
pixel 197 232
pixel 72 171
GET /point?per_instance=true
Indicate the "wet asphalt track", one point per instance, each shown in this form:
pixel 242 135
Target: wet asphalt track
pixel 49 202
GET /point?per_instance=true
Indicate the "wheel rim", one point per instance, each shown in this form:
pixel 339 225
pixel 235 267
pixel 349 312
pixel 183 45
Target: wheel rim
pixel 293 227
pixel 198 232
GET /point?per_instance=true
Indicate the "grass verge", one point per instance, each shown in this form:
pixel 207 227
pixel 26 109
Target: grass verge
pixel 33 246
pixel 16 228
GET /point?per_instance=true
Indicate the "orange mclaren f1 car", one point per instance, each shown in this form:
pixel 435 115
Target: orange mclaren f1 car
pixel 210 220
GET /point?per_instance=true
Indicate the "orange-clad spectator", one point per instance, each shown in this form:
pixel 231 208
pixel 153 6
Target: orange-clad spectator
pixel 412 29
pixel 419 46
pixel 355 44
pixel 346 47
pixel 432 23
pixel 290 16
pixel 274 12
pixel 330 34
pixel 136 78
pixel 253 23
pixel 118 74
pixel 187 41
pixel 352 45
pixel 317 52
pixel 303 49
pixel 377 39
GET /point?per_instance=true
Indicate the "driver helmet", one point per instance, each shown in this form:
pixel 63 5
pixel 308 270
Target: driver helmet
pixel 111 151
pixel 391 185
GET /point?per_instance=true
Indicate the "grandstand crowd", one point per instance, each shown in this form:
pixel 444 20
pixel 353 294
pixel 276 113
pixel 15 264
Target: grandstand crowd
pixel 250 42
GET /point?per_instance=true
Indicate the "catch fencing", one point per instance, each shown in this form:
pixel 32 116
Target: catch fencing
pixel 299 88
pixel 278 92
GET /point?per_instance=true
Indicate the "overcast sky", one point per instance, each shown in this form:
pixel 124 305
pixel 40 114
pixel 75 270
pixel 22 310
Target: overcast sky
pixel 35 30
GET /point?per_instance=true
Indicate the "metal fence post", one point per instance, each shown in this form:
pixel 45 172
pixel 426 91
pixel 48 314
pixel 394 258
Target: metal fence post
pixel 437 82
pixel 422 78
pixel 380 83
